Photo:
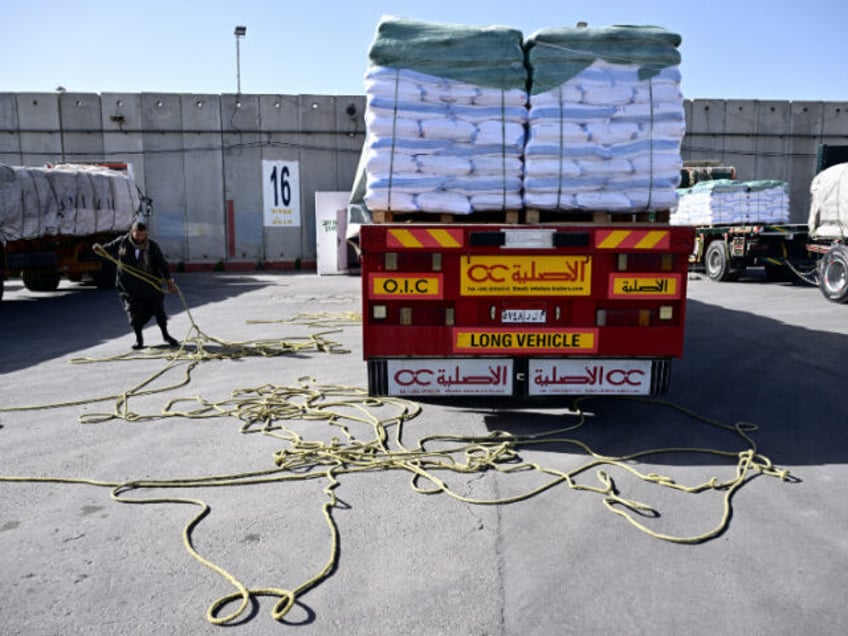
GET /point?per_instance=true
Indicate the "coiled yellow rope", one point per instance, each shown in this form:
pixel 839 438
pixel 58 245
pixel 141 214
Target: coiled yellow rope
pixel 366 435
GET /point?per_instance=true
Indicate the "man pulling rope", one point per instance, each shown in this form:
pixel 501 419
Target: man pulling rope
pixel 141 269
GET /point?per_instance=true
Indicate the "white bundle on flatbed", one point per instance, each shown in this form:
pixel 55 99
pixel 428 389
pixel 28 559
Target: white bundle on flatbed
pixel 724 201
pixel 64 200
pixel 828 217
pixel 445 115
pixel 606 119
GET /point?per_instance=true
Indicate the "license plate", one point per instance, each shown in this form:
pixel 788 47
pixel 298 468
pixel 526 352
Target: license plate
pixel 523 315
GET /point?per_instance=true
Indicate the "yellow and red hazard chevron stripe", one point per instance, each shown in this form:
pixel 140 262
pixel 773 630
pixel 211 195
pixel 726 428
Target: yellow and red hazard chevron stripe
pixel 424 237
pixel 633 239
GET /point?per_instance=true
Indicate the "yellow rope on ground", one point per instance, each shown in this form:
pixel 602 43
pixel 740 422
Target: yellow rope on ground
pixel 264 410
pixel 366 436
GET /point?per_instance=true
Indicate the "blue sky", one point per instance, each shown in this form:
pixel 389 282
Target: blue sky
pixel 747 49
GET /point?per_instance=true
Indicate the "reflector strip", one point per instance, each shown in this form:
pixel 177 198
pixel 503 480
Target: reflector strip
pixel 633 239
pixel 424 238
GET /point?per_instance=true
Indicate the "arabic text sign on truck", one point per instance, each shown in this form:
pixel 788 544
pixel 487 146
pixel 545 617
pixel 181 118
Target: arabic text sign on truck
pixel 511 310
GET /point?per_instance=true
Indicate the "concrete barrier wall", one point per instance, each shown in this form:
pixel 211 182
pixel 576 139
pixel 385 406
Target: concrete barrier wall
pixel 200 157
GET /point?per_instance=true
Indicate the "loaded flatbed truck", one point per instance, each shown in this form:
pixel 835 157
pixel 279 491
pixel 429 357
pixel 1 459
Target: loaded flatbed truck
pixel 724 252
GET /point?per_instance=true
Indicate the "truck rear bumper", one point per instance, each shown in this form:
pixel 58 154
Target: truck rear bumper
pixel 517 377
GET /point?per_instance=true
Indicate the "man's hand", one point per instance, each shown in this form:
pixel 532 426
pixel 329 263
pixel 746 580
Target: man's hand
pixel 97 248
pixel 172 286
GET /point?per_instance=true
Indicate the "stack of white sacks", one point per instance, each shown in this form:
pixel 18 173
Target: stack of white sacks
pixel 461 119
pixel 606 119
pixel 445 114
pixel 723 201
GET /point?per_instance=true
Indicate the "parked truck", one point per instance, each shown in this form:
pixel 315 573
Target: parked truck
pixel 516 241
pixel 815 251
pixel 738 224
pixel 51 216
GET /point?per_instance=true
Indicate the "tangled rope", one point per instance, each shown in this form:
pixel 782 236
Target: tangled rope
pixel 366 435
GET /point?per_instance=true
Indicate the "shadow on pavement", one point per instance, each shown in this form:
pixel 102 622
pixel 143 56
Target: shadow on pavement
pixel 39 326
pixel 737 367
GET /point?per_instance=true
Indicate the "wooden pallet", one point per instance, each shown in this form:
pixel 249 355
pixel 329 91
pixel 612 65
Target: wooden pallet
pixel 509 217
pixel 534 216
pixel 529 216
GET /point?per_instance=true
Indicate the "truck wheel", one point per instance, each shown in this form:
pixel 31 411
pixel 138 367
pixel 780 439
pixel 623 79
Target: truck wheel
pixel 833 274
pixel 40 281
pixel 717 262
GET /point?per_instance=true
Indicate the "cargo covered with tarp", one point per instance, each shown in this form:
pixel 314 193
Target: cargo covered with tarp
pixel 606 119
pixel 462 119
pixel 829 203
pixel 725 201
pixel 445 117
pixel 64 200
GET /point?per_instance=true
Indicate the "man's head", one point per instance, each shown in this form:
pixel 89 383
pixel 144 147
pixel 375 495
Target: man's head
pixel 138 232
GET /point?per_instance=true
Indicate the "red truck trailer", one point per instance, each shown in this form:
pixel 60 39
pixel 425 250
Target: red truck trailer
pixel 522 310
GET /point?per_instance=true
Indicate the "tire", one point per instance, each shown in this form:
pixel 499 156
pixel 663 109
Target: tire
pixel 717 262
pixel 40 280
pixel 833 274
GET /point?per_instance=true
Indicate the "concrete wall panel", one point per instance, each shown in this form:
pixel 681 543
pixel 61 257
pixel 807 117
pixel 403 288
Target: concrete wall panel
pixel 242 169
pixel 164 177
pixel 205 217
pixel 740 144
pixel 122 131
pixel 38 118
pixel 705 124
pixel 351 121
pixel 10 140
pixel 319 168
pixel 835 122
pixel 281 133
pixel 772 140
pixel 806 122
pixel 80 120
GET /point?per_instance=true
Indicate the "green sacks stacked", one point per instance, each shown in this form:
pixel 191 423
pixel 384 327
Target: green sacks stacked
pixel 606 119
pixel 445 116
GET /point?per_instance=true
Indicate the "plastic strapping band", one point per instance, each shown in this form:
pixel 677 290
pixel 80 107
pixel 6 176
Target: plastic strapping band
pixel 561 147
pixel 394 138
pixel 503 149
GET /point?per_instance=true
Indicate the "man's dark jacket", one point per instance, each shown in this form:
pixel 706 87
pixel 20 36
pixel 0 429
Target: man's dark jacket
pixel 124 250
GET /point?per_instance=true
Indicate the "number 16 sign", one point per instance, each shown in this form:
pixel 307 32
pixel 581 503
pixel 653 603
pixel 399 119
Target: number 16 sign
pixel 281 193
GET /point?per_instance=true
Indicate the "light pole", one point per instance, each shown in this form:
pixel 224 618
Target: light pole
pixel 239 33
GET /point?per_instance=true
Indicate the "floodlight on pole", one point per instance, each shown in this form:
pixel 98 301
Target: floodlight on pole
pixel 239 32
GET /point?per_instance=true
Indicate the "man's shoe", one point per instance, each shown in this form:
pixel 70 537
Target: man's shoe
pixel 172 341
pixel 138 345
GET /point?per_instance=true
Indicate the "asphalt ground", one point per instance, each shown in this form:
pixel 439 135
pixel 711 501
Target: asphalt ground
pixel 408 558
